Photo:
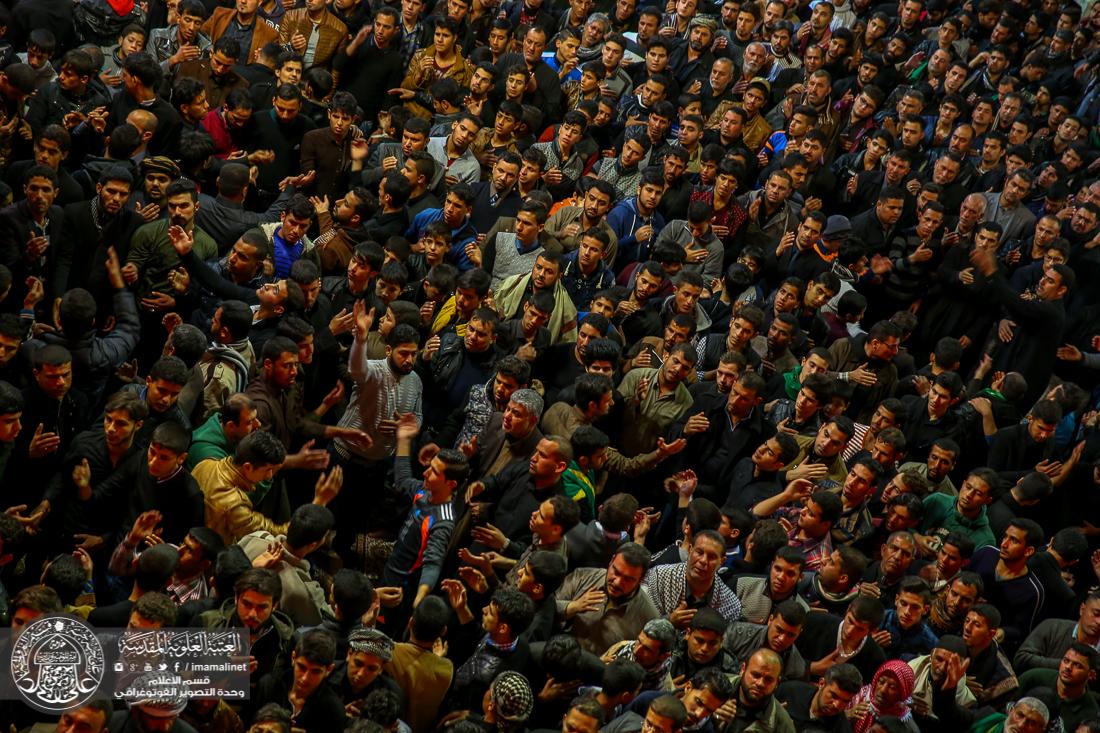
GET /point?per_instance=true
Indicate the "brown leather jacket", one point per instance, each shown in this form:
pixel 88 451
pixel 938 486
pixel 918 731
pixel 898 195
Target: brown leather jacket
pixel 262 33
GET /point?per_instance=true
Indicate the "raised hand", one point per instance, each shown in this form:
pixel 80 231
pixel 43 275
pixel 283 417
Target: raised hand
pixel 144 526
pixel 407 427
pixel 308 457
pixel 182 240
pixel 489 536
pixel 328 486
pixel 43 444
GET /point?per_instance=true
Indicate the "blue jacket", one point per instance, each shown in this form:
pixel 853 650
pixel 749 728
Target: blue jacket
pixel 581 289
pixel 459 237
pixel 625 220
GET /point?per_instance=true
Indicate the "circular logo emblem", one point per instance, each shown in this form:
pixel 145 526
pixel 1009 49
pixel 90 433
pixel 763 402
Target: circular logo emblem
pixel 57 663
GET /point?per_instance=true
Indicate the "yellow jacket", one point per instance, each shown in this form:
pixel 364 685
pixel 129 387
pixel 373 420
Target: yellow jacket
pixel 229 509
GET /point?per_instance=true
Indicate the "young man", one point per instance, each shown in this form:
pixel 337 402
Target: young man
pixel 227 483
pixel 303 688
pixel 417 557
pixel 162 484
pixel 904 632
pixel 254 607
pixel 1008 582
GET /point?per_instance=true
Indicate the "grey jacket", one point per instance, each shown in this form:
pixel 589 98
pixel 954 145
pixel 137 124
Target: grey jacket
pixel 677 232
pixel 742 639
pixel 1044 646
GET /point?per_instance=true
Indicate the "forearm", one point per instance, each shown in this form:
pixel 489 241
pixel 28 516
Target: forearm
pixel 620 465
pixel 122 559
pixel 770 506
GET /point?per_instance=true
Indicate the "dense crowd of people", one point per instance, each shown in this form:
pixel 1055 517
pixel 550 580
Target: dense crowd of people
pixel 580 366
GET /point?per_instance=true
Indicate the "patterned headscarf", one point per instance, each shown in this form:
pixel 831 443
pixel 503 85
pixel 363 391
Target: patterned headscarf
pixel 512 697
pixel 901 672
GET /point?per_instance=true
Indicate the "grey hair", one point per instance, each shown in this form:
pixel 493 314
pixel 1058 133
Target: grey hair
pixel 1037 705
pixel 661 630
pixel 978 197
pixel 529 399
pixel 602 18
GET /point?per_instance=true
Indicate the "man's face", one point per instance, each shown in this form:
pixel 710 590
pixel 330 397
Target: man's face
pixel 939 401
pixel 700 704
pixel 910 608
pixel 443 41
pixel 156 184
pixel 753 101
pixel 131 43
pixel 544 274
pixel 768 456
pixel 533 318
pixel 402 357
pixel 48 153
pixel 1074 672
pixel 455 211
pixel 161 394
pixel 832 570
pixel 777 189
pixel 622 578
pixel 286 110
pixel 291 72
pixel 308 675
pixel 976 631
pixel 385 28
pixel 243 261
pixel 413 141
pixel 897 555
pixel 830 440
pixel 221 65
pixel 294 228
pixel 811 521
pixel 505 175
pixel 703 645
pixel 479 336
pixel 830 701
pixel 858 484
pixel 83 720
pixel 647 651
pixel 463 133
pixel 1014 546
pixel 339 123
pixel 282 371
pixel 759 679
pixel 809 231
pixel 817 90
pixel 889 210
pixel 676 368
pixel 70 81
pixel 54 380
pixel 163 462
pixel 1083 221
pixel 806 403
pixel 363 669
pixel 782 578
pixel 10 425
pixel 113 195
pixel 1024 719
pixel 181 210
pixel 40 193
pixel 1015 191
pixel 781 635
pixel 254 609
pixel 974 494
pixel 1050 286
pixel 703 560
